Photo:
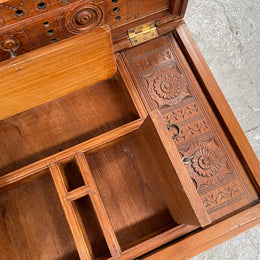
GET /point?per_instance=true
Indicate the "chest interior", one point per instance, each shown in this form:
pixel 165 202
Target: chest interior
pixel 111 144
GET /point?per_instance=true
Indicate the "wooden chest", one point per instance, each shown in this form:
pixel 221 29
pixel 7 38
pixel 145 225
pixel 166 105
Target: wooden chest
pixel 115 139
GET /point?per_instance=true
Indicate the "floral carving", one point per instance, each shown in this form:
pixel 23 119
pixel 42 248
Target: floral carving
pixel 183 113
pixel 167 86
pixel 154 59
pixel 193 130
pixel 2 22
pixel 205 162
pixel 214 199
pixel 208 164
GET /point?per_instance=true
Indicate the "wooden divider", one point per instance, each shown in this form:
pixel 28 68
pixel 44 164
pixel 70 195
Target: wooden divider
pixel 69 197
pixel 27 172
pixel 79 234
pixel 98 206
pixel 78 193
pixel 73 216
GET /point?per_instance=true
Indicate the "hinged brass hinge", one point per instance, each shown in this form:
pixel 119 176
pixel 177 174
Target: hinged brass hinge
pixel 143 33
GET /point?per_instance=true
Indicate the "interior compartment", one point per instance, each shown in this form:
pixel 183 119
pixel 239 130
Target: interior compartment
pixel 125 176
pixel 92 227
pixel 72 175
pixel 33 225
pixel 64 122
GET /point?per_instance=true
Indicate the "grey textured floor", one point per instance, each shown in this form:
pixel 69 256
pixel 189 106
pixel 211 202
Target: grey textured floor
pixel 228 34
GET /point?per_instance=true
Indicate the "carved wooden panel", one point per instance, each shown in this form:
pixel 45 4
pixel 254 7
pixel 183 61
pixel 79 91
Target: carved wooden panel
pixel 26 25
pixel 54 21
pixel 163 81
pixel 121 11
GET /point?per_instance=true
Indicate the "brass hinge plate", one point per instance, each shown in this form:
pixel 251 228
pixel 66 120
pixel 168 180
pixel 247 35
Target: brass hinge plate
pixel 143 33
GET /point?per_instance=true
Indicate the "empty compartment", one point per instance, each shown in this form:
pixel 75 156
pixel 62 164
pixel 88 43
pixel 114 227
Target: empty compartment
pixel 64 122
pixel 32 222
pixel 92 227
pixel 144 184
pixel 72 175
pixel 124 174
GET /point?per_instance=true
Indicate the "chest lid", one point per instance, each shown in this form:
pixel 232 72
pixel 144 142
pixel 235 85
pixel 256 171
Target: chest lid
pixel 26 25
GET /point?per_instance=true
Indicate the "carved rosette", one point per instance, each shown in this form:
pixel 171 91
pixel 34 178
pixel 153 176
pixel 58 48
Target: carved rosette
pixel 10 43
pixel 208 164
pixel 205 162
pixel 84 18
pixel 167 87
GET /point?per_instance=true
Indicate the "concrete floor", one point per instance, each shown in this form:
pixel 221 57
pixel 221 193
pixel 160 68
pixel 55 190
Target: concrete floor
pixel 228 34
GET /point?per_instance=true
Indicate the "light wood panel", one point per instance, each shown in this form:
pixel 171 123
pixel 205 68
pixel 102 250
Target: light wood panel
pixel 125 177
pixel 21 175
pixel 56 70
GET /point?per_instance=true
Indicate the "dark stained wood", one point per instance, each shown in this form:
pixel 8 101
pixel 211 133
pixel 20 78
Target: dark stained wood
pixel 179 191
pixel 178 7
pixel 165 22
pixel 34 26
pixel 165 82
pixel 62 123
pixel 210 87
pixel 32 224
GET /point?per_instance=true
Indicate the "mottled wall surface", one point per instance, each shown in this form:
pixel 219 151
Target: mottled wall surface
pixel 228 35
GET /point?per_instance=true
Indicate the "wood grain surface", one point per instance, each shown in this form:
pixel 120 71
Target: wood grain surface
pixel 65 122
pixel 209 237
pixel 32 223
pixel 135 164
pixel 54 71
pixel 165 82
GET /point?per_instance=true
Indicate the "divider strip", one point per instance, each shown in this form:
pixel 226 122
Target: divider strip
pixel 99 207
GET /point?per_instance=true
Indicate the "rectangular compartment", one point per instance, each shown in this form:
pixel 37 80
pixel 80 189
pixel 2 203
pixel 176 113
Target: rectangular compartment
pixel 71 175
pixel 94 233
pixel 52 127
pixel 142 190
pixel 32 222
